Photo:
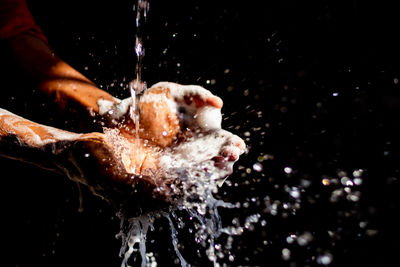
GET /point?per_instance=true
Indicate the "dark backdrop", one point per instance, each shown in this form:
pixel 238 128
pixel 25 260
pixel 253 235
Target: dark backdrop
pixel 315 84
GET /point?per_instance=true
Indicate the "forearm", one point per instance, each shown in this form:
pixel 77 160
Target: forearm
pixel 31 142
pixel 54 76
pixel 84 158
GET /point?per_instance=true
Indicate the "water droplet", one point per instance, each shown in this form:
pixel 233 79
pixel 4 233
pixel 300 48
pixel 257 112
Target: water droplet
pixel 294 192
pixel 344 180
pixel 357 173
pixel 349 183
pixel 290 239
pixel 304 239
pixel 371 232
pixel 357 181
pixel 139 48
pixel 288 170
pixel 257 167
pixel 325 181
pixel 325 259
pixel 285 254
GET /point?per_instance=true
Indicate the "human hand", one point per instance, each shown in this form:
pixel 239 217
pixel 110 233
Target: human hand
pixel 180 126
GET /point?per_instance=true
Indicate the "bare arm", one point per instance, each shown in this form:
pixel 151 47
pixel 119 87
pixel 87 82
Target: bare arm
pixel 54 76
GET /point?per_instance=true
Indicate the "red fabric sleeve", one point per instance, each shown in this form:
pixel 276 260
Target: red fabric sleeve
pixel 15 18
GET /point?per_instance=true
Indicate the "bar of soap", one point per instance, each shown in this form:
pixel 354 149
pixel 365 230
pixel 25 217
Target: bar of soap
pixel 209 118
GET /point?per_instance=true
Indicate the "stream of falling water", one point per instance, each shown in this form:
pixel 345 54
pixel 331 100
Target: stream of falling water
pixel 137 87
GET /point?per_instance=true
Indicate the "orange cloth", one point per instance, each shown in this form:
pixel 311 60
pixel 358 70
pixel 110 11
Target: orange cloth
pixel 15 18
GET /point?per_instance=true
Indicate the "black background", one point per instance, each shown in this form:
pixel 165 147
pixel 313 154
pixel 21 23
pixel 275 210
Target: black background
pixel 314 83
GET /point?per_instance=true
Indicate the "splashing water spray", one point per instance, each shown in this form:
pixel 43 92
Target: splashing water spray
pixel 198 184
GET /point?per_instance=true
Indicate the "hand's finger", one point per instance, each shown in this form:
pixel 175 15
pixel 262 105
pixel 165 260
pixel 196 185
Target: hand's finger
pixel 188 94
pixel 199 101
pixel 215 101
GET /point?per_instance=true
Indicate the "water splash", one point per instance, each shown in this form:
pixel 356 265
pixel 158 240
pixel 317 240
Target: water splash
pixel 175 239
pixel 203 210
pixel 138 228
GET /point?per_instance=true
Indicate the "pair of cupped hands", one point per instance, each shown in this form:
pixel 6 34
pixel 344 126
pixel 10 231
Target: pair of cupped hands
pixel 171 117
